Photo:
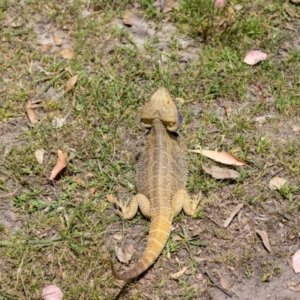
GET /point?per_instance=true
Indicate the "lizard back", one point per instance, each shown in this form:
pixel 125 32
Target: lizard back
pixel 161 170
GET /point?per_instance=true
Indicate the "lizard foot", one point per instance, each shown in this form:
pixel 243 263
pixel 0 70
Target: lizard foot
pixel 195 202
pixel 124 211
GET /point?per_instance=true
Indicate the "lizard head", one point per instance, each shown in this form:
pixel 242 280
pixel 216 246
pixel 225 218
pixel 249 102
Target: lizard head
pixel 162 107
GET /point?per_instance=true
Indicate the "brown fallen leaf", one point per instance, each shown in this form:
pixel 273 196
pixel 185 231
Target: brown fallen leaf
pixel 295 288
pixel 57 39
pixel 222 157
pixel 228 108
pixel 221 173
pixel 17 23
pixel 127 18
pixel 197 231
pixel 39 155
pixel 276 183
pixel 232 215
pixel 71 82
pixel 58 122
pixel 68 53
pixel 296 128
pixel 60 164
pixel 224 283
pixel 296 262
pixel 178 274
pixel 118 237
pixel 290 10
pixel 169 6
pixel 125 255
pixel 79 180
pixel 264 238
pixel 254 56
pixel 32 115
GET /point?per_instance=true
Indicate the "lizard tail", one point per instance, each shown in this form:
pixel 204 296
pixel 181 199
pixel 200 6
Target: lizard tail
pixel 159 233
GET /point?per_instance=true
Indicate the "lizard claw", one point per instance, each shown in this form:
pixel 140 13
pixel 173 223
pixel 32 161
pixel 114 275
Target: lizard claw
pixel 195 202
pixel 122 212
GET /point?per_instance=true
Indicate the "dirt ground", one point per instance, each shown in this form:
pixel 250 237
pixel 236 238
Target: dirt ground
pixel 222 263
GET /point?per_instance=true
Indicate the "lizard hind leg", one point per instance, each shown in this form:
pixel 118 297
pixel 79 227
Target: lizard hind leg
pixel 129 210
pixel 182 200
pixel 190 205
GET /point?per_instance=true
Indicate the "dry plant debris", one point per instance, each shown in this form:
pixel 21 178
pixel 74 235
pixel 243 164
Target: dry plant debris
pixel 222 157
pixel 296 261
pixel 264 238
pixel 178 274
pixel 254 56
pixel 124 255
pixel 32 115
pixel 39 155
pixel 60 164
pixel 276 183
pixel 221 173
pixel 71 83
pixel 233 214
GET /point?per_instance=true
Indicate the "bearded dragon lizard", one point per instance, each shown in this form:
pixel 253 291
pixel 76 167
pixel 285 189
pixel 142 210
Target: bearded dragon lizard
pixel 161 176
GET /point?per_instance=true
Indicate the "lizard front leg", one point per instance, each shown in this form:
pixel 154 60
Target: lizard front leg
pixel 129 210
pixel 182 200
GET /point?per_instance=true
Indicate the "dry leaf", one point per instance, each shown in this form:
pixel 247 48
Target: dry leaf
pixel 264 238
pixel 224 283
pixel 276 183
pixel 221 173
pixel 71 82
pixel 178 274
pixel 233 214
pixel 290 10
pixel 39 155
pixel 58 122
pixel 79 180
pixel 124 256
pixel 32 115
pixel 127 19
pixel 67 53
pixel 118 237
pixel 296 262
pixel 296 128
pixel 295 288
pixel 57 39
pixel 60 164
pixel 255 56
pixel 197 231
pixel 228 108
pixel 220 3
pixel 17 23
pixel 238 7
pixel 169 6
pixel 52 292
pixel 222 157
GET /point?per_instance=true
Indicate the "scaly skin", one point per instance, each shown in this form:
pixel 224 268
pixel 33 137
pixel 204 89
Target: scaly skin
pixel 161 178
